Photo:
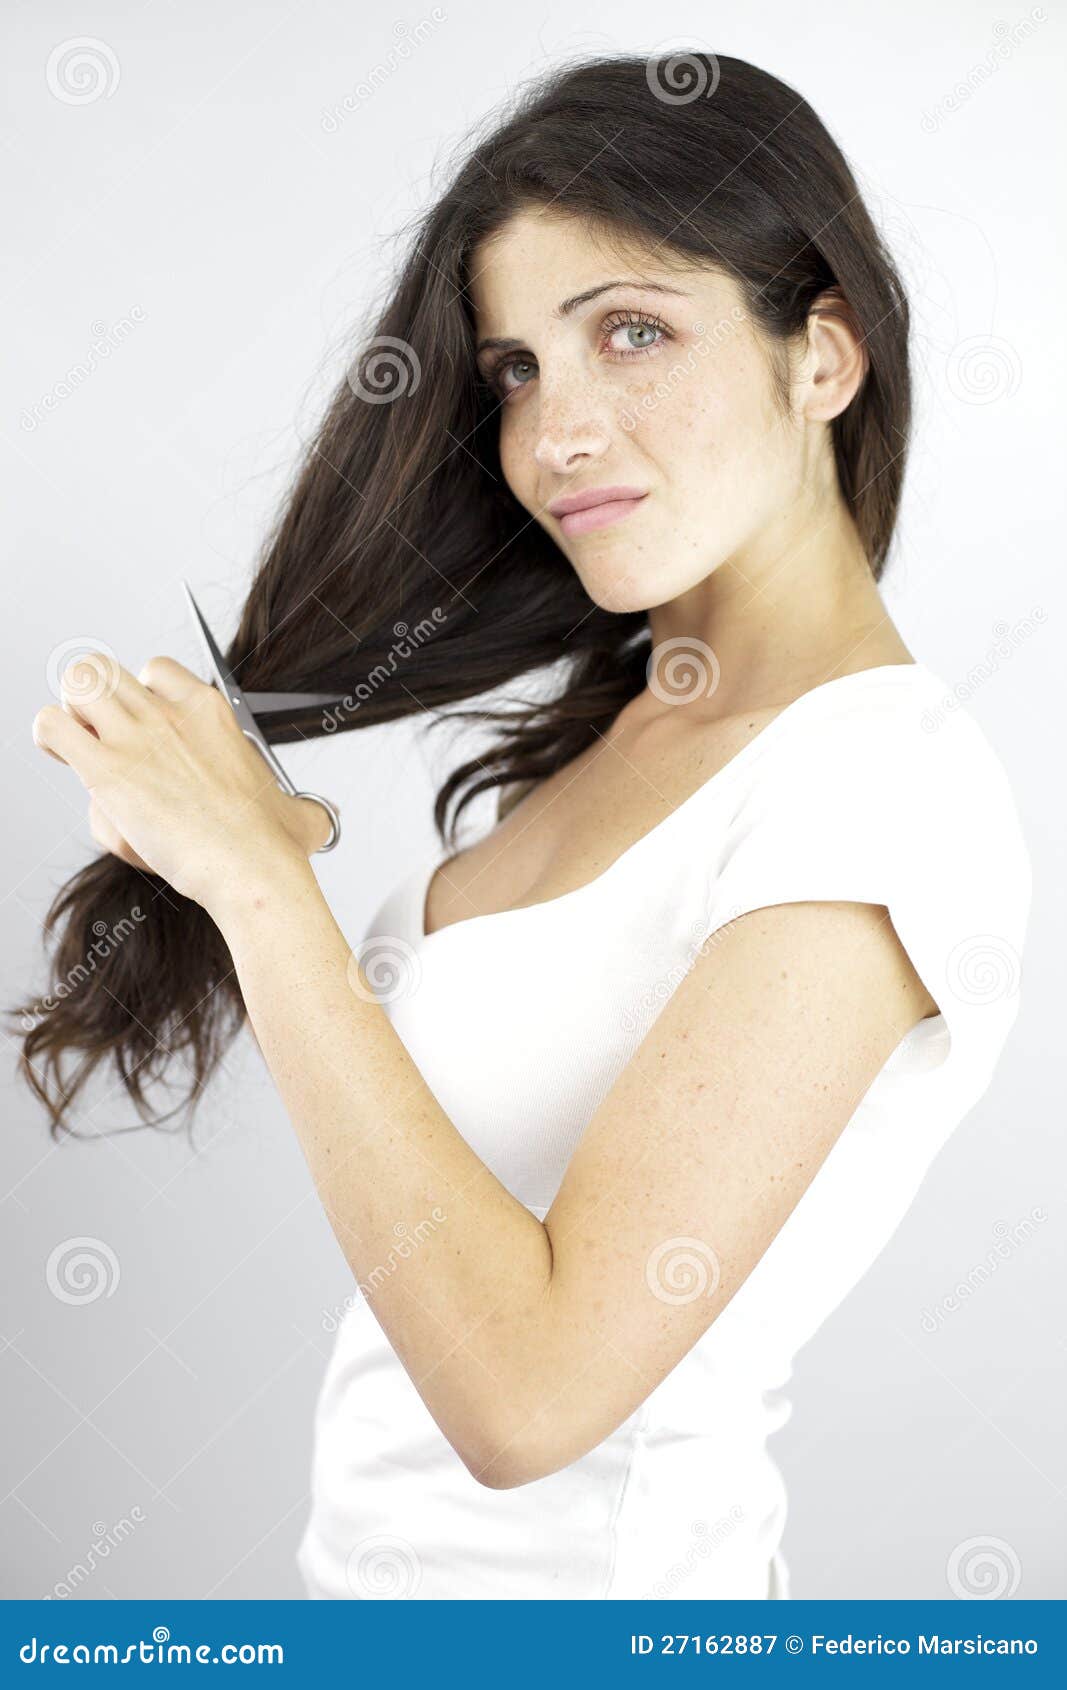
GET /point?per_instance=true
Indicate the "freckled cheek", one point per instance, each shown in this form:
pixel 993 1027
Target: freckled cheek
pixel 715 413
pixel 517 443
pixel 681 419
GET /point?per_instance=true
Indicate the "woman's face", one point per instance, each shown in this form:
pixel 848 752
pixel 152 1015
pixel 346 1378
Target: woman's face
pixel 655 384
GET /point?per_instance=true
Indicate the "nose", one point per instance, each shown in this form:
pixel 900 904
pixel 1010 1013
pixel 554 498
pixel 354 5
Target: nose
pixel 570 435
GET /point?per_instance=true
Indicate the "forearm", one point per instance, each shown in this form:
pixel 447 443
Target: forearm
pixel 462 1308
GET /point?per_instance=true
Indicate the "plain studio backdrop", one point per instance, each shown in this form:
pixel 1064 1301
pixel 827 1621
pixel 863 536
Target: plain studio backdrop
pixel 203 202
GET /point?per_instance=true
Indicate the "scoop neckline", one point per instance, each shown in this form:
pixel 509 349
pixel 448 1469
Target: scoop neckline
pixel 883 671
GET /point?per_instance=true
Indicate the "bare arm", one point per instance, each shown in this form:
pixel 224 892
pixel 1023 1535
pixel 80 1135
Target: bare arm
pixel 529 1342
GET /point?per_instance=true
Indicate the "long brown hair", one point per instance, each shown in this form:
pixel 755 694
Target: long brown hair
pixel 400 525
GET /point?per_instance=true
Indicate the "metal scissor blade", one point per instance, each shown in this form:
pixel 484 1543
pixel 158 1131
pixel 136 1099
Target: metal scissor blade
pixel 255 701
pixel 242 709
pixel 261 701
pixel 223 675
pixel 238 703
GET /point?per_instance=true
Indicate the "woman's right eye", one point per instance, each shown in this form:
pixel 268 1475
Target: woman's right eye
pixel 506 365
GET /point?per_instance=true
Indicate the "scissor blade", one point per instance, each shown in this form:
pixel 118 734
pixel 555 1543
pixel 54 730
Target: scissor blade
pixel 223 674
pixel 289 701
pixel 231 691
pixel 215 657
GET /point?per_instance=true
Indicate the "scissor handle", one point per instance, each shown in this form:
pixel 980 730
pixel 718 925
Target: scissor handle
pixel 288 786
pixel 331 811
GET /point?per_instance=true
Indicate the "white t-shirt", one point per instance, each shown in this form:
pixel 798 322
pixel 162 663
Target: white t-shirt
pixel 873 787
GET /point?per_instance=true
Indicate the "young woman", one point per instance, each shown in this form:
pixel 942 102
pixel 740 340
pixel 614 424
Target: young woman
pixel 613 1106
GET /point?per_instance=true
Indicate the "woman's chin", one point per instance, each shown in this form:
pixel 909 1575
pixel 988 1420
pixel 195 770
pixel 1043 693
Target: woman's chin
pixel 619 591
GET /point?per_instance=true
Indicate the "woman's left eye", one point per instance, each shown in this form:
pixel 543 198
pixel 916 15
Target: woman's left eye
pixel 633 324
pixel 637 328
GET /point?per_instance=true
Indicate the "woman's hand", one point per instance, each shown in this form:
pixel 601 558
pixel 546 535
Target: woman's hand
pixel 175 787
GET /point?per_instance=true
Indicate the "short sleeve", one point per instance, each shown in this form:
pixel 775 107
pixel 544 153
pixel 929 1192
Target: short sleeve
pixel 867 804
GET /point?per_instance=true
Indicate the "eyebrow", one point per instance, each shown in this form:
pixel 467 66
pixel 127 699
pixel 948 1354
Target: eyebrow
pixel 506 343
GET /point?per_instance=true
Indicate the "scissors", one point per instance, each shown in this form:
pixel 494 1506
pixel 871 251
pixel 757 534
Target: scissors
pixel 244 704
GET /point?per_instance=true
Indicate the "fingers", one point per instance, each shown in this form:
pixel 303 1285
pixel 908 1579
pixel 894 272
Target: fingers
pixel 68 741
pixel 110 839
pixel 103 703
pixel 105 696
pixel 169 679
pixel 89 688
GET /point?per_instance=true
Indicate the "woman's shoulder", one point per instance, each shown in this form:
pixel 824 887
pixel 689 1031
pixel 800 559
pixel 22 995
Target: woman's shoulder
pixel 904 715
pixel 512 795
pixel 890 760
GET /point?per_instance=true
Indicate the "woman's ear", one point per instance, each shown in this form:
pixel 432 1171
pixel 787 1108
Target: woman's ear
pixel 835 362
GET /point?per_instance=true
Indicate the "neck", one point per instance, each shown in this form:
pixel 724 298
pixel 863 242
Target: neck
pixel 792 608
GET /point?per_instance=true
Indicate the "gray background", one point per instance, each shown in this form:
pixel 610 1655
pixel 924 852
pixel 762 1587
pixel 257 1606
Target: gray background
pixel 192 248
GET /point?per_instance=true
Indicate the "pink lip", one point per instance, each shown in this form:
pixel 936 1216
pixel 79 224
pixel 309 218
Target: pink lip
pixel 592 496
pixel 601 515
